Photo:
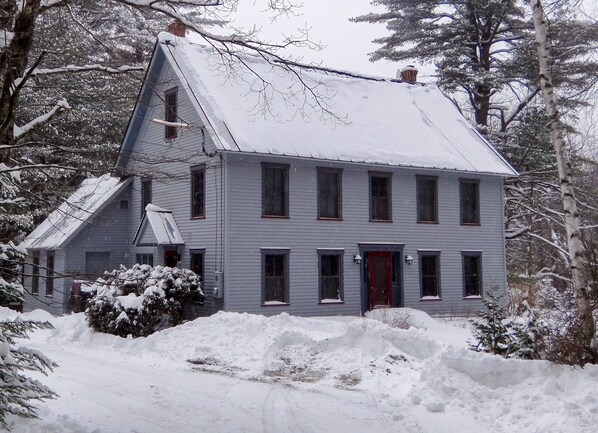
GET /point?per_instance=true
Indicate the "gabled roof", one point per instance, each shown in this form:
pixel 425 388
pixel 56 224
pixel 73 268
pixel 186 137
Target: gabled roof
pixel 75 213
pixel 158 227
pixel 388 122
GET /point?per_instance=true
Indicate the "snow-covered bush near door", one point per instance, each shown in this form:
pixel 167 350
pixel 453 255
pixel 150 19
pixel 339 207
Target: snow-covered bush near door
pixel 496 332
pixel 136 301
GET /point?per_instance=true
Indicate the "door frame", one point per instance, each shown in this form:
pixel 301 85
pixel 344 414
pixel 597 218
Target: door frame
pixel 397 296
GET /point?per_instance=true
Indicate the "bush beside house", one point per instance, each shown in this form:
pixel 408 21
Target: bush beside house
pixel 135 301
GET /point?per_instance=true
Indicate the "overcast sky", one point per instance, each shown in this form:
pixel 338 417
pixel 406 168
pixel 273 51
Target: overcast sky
pixel 346 44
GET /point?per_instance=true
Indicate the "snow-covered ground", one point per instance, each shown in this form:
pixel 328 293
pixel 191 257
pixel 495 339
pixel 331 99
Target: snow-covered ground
pixel 246 373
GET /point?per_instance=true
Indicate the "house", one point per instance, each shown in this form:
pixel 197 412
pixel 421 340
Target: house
pixel 391 200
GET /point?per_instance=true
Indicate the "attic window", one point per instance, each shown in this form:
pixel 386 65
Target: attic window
pixel 124 204
pixel 170 113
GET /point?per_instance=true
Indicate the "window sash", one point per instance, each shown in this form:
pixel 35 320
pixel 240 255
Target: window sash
pixel 197 193
pixel 197 265
pixel 50 262
pixel 427 200
pixel 275 278
pixel 469 193
pixel 380 197
pixel 35 274
pixel 170 113
pixel 430 275
pixel 275 187
pixel 329 194
pixel 146 194
pixel 144 259
pixel 472 281
pixel 330 276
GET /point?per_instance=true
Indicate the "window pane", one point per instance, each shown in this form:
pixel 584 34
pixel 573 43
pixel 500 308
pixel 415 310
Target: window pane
pixel 197 193
pixel 170 113
pixel 429 275
pixel 380 198
pixel 145 259
pixel 146 194
pixel 471 275
pixel 469 202
pixel 329 194
pixel 197 265
pixel 426 200
pixel 35 274
pixel 50 274
pixel 330 278
pixel 274 191
pixel 275 277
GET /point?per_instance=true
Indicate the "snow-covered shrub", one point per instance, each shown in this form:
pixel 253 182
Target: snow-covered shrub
pixel 509 336
pixel 135 301
pixel 17 390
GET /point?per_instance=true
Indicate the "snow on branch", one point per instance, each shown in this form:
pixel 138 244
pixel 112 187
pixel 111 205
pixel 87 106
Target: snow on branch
pixel 60 107
pixel 87 68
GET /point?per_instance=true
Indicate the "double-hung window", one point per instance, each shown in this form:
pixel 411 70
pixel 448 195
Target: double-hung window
pixel 170 113
pixel 198 177
pixel 275 270
pixel 50 273
pixel 429 268
pixel 469 198
pixel 472 273
pixel 329 193
pixel 427 199
pixel 275 190
pixel 331 276
pixel 380 196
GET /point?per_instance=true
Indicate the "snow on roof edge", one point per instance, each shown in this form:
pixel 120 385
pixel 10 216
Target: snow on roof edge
pixel 64 212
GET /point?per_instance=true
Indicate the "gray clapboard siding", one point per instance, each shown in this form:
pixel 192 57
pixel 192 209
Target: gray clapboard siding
pixel 302 233
pixel 169 163
pixel 54 304
pixel 104 234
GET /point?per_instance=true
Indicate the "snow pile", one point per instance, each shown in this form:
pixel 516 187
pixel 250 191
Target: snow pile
pixel 418 379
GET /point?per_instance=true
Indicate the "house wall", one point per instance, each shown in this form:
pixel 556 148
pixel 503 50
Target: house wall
pixel 54 304
pixel 106 232
pixel 303 234
pixel 168 163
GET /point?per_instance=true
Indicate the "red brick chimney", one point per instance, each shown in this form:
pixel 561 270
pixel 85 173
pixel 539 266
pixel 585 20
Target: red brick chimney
pixel 177 28
pixel 408 74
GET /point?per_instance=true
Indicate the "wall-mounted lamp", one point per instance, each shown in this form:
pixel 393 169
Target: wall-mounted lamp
pixel 357 259
pixel 408 259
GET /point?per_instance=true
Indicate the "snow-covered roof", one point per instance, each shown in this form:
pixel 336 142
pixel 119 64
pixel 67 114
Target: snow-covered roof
pixel 382 121
pixel 164 230
pixel 75 213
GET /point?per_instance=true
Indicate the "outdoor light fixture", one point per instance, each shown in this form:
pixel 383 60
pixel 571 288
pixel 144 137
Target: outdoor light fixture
pixel 357 258
pixel 408 259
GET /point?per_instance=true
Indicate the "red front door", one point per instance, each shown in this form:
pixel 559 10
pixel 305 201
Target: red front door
pixel 380 264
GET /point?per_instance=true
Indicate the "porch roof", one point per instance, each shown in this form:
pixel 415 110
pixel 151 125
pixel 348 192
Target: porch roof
pixel 158 227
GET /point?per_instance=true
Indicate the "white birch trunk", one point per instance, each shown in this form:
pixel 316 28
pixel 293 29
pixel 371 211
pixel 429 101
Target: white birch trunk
pixel 574 244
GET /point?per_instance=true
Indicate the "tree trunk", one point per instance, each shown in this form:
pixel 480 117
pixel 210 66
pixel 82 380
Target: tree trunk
pixel 14 65
pixel 574 244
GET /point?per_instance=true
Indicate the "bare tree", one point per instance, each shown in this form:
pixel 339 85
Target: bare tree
pixel 571 215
